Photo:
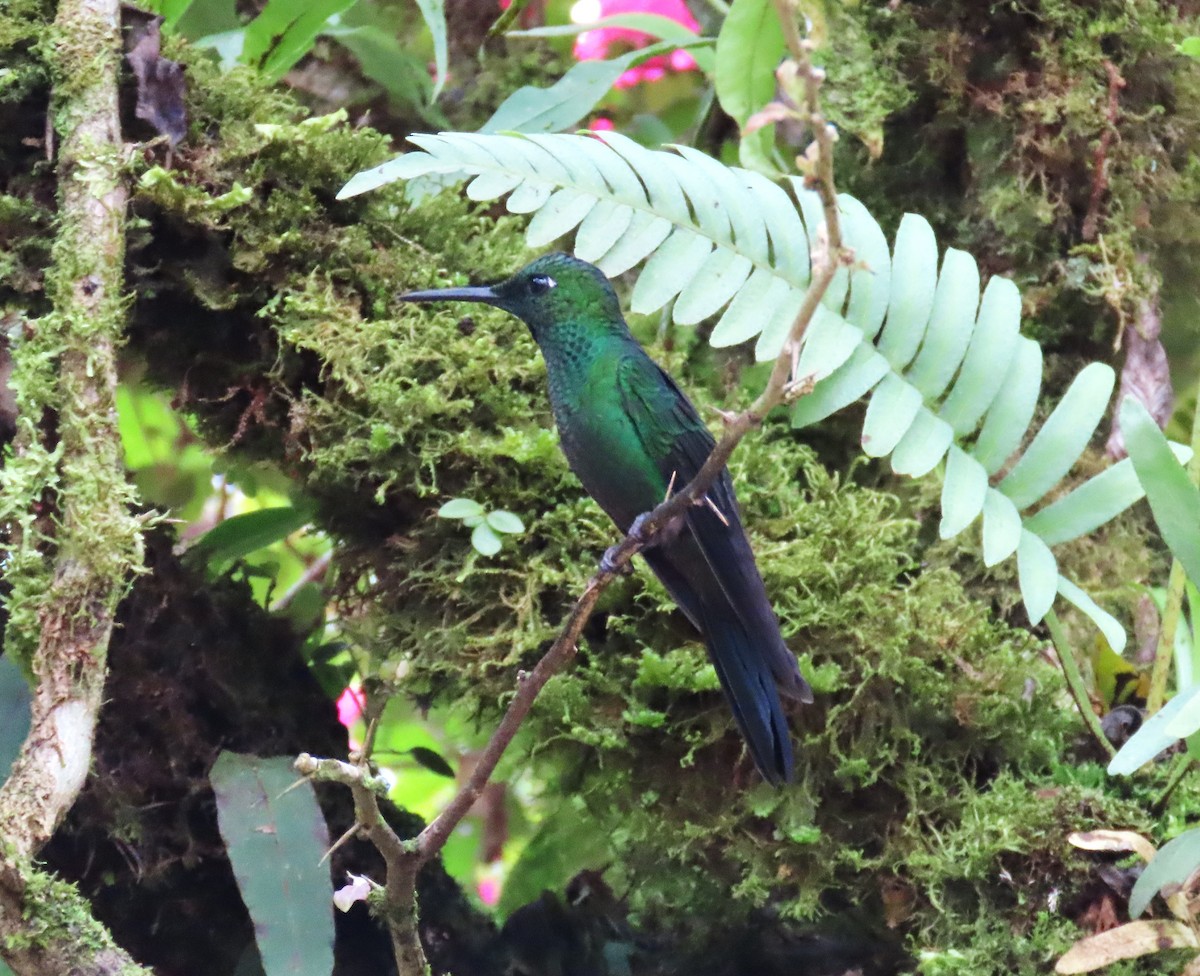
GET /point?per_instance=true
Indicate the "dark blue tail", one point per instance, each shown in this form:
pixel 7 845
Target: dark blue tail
pixel 750 687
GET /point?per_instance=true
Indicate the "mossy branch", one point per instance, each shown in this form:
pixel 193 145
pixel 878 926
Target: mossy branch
pixel 68 568
pixel 405 858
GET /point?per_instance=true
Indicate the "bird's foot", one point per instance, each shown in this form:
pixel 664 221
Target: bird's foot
pixel 637 530
pixel 637 533
pixel 608 563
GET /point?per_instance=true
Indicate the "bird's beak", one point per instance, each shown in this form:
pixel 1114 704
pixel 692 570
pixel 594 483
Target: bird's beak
pixel 481 293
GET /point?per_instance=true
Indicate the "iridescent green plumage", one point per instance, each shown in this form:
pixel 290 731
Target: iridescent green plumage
pixel 630 433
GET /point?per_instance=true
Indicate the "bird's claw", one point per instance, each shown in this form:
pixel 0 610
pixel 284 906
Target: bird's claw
pixel 608 563
pixel 637 531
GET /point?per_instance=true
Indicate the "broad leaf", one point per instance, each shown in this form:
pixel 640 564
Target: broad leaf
pixel 276 839
pixel 15 701
pixel 749 48
pixel 1174 500
pixel 1173 864
pixel 434 12
pixel 240 535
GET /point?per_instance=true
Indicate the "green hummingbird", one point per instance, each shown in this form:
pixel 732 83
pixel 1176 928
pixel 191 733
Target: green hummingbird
pixel 632 436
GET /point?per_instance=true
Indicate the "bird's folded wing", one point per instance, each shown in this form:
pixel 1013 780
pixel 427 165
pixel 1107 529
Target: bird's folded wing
pixel 674 435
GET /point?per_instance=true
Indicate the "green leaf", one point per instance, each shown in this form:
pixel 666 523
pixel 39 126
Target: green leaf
pixel 171 10
pixel 1063 436
pixel 382 58
pixel 434 13
pixel 1173 864
pixel 893 406
pixel 963 492
pixel 1173 498
pixel 276 839
pixel 573 96
pixel 1038 576
pixel 15 703
pixel 1152 738
pixel 240 535
pixel 1097 501
pixel 503 521
pixel 460 508
pixel 871 277
pixel 567 840
pixel 1189 46
pixel 992 346
pixel 1001 528
pixel 1011 412
pixel 433 761
pixel 715 283
pixel 485 540
pixel 1187 720
pixel 749 48
pixel 674 264
pixel 1113 632
pixel 923 445
pixel 285 31
pixel 560 214
pixel 914 285
pixel 949 331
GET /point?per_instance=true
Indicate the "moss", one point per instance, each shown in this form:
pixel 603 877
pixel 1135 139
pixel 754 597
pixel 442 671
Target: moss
pixel 57 916
pixel 990 121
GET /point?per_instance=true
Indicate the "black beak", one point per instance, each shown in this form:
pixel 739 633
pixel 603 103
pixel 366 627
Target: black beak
pixel 482 293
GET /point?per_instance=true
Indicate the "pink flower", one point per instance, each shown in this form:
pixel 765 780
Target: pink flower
pixel 350 706
pixel 601 124
pixel 593 45
pixel 488 889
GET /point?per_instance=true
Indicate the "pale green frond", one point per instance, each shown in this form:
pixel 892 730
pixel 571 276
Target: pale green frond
pixel 1012 411
pixel 673 265
pixel 949 331
pixel 992 346
pixel 1037 571
pixel 914 281
pixel 892 409
pixel 1063 436
pixel 718 279
pixel 963 492
pixel 939 361
pixel 1001 527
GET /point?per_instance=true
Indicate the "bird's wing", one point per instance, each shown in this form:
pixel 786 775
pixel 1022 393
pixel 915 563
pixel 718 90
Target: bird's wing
pixel 674 435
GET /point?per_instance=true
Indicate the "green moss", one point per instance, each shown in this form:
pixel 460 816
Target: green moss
pixel 990 119
pixel 57 916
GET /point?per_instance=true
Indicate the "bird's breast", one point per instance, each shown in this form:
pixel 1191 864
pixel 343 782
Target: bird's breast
pixel 604 450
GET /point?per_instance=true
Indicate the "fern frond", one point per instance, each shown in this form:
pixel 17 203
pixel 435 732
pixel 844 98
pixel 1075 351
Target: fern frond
pixel 952 383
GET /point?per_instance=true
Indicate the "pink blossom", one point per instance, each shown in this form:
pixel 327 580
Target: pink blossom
pixel 594 45
pixel 488 889
pixel 601 124
pixel 350 706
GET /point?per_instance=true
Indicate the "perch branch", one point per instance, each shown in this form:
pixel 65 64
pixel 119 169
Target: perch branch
pixel 404 859
pixel 95 542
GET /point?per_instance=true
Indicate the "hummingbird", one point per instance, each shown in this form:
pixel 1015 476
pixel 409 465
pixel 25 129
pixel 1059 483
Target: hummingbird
pixel 632 436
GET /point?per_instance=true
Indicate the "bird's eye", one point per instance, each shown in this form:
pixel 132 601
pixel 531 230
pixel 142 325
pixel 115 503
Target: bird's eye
pixel 540 284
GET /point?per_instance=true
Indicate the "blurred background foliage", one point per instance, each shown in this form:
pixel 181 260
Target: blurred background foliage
pixel 301 434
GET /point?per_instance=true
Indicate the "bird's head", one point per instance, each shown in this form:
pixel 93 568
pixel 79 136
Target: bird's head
pixel 550 290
